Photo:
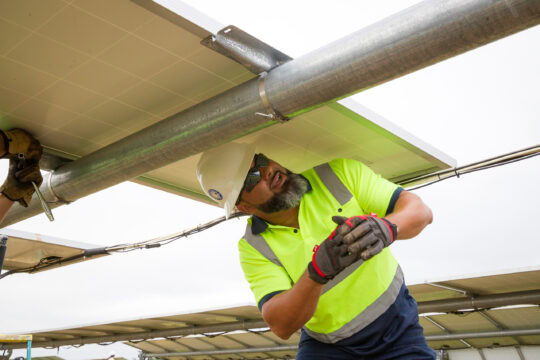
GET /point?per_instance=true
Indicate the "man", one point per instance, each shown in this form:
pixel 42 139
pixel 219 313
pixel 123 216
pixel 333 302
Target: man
pixel 24 153
pixel 341 286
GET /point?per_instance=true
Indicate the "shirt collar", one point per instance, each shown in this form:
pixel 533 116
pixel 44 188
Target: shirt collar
pixel 259 226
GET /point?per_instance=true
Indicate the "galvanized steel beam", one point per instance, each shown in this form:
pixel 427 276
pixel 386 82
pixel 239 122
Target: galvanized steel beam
pixel 419 36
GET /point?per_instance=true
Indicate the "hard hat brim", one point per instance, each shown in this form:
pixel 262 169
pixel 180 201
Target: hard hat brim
pixel 243 169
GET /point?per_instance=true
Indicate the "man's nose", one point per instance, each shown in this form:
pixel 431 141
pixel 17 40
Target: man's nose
pixel 266 172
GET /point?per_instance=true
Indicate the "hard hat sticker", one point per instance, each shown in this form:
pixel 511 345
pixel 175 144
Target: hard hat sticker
pixel 215 194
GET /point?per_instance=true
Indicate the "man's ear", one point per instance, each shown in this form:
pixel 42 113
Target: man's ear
pixel 245 207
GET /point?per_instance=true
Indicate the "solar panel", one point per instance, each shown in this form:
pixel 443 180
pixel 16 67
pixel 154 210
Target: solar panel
pixel 83 74
pixel 27 251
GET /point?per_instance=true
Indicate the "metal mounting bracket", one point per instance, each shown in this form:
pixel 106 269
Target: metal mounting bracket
pixel 245 49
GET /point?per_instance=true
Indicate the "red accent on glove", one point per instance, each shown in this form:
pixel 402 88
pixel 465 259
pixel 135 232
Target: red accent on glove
pixel 332 234
pixel 348 221
pixel 314 262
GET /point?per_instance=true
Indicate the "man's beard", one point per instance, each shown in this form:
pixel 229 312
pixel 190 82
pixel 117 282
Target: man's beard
pixel 294 188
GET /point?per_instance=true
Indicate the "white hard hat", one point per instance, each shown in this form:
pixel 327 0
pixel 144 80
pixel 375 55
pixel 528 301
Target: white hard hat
pixel 221 172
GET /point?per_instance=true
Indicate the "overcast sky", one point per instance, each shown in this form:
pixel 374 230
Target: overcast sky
pixel 474 106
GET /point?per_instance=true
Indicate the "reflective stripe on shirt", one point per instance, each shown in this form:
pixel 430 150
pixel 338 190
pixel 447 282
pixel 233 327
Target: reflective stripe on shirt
pixel 367 316
pixel 258 242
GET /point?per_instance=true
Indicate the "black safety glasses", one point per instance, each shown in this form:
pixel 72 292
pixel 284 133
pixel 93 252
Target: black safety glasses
pixel 254 175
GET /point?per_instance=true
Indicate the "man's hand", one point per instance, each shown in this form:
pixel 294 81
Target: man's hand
pixel 365 235
pixel 329 259
pixel 18 141
pixel 18 185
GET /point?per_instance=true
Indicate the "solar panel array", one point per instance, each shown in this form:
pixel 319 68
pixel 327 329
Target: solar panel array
pixel 185 334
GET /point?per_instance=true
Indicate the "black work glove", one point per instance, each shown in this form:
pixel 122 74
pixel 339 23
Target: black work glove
pixel 18 185
pixel 18 141
pixel 329 259
pixel 366 235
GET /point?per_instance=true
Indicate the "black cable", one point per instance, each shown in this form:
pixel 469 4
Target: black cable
pixel 198 229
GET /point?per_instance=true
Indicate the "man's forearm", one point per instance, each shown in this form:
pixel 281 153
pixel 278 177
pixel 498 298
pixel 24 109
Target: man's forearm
pixel 410 215
pixel 287 312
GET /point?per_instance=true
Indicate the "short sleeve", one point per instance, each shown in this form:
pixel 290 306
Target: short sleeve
pixel 264 277
pixel 374 193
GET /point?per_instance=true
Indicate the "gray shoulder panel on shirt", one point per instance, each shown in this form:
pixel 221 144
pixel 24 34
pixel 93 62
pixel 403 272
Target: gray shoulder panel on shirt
pixel 333 183
pixel 258 242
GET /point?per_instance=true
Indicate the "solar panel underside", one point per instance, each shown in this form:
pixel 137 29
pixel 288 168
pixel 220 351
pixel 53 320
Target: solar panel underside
pixel 27 250
pixel 83 74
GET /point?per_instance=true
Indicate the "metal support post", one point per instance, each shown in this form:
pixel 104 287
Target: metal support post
pixel 3 250
pixel 481 352
pixel 519 352
pixel 442 354
pixel 18 341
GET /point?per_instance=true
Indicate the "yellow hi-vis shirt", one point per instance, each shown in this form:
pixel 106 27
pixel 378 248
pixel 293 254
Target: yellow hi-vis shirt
pixel 273 257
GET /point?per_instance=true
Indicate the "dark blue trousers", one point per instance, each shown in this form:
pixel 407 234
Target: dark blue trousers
pixel 395 335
